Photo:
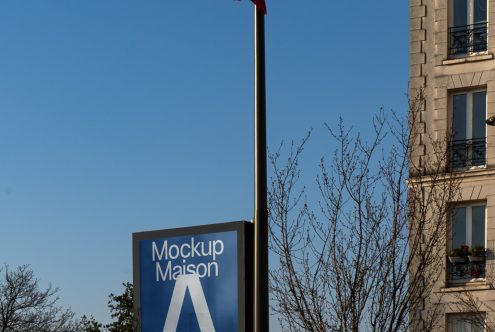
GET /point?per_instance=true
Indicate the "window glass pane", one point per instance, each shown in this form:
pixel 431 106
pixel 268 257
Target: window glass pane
pixel 460 12
pixel 464 323
pixel 478 213
pixel 479 11
pixel 476 328
pixel 457 325
pixel 459 117
pixel 479 114
pixel 459 227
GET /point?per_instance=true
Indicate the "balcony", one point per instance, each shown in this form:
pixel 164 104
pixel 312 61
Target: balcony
pixel 466 271
pixel 468 39
pixel 467 153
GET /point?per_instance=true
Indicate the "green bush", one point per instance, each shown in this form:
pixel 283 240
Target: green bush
pixel 459 252
pixel 477 251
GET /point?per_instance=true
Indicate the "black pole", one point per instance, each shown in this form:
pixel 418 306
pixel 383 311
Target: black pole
pixel 261 306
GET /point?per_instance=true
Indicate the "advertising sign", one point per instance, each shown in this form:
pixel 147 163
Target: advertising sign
pixel 191 279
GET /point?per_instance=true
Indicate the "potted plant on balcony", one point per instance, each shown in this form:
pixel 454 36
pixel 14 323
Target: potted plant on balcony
pixel 477 270
pixel 458 255
pixel 477 254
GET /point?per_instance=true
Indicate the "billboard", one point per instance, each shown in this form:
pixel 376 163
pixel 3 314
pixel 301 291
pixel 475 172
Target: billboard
pixel 192 279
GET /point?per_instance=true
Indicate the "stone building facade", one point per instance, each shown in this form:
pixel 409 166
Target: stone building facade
pixel 452 48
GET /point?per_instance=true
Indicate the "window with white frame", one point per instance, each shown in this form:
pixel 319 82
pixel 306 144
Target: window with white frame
pixel 468 27
pixel 468 146
pixel 466 323
pixel 467 244
pixel 468 225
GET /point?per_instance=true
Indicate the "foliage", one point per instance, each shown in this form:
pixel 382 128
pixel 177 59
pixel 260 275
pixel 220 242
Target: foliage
pixel 459 252
pixel 89 324
pixel 122 310
pixel 122 313
pixel 478 251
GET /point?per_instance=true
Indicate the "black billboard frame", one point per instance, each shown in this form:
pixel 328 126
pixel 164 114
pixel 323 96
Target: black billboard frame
pixel 245 264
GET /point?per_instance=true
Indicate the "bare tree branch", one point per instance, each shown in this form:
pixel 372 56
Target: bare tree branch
pixel 364 255
pixel 26 308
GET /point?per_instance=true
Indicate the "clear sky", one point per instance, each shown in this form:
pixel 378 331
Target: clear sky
pixel 119 116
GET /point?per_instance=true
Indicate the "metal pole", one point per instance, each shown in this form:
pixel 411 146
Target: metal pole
pixel 261 306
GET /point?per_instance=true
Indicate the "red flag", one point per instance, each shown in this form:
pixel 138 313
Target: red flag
pixel 261 5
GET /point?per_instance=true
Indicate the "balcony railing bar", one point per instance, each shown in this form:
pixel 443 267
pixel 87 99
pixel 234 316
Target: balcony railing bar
pixel 468 271
pixel 467 153
pixel 468 39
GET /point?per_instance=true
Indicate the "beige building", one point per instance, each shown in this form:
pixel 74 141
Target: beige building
pixel 452 48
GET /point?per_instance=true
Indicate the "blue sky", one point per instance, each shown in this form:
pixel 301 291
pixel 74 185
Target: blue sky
pixel 119 116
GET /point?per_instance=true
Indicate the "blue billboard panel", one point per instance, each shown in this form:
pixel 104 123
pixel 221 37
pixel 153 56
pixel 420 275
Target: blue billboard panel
pixel 190 282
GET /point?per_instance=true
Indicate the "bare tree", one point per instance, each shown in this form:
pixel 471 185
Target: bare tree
pixel 364 255
pixel 24 307
pixel 471 308
pixel 468 302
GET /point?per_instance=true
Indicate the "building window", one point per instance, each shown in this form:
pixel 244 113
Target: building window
pixel 468 27
pixel 466 322
pixel 468 145
pixel 468 223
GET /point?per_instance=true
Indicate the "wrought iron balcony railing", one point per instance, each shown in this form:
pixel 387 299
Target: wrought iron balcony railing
pixel 468 39
pixel 467 153
pixel 466 271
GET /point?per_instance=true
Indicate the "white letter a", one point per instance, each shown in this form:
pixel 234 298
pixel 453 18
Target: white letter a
pixel 182 283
